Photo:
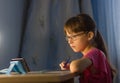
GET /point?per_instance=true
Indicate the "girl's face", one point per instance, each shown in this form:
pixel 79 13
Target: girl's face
pixel 79 42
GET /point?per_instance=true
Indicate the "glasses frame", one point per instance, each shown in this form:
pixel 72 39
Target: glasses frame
pixel 73 37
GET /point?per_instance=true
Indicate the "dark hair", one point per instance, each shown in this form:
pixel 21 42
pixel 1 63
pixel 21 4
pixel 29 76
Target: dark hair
pixel 83 22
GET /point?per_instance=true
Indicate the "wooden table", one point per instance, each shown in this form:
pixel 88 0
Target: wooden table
pixel 39 77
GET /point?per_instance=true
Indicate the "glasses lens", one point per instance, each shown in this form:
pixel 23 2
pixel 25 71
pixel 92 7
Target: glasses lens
pixel 73 37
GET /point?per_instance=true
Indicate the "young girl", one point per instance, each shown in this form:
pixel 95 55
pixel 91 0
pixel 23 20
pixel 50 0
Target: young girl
pixel 83 36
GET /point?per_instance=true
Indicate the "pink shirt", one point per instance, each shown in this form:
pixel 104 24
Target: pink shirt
pixel 99 71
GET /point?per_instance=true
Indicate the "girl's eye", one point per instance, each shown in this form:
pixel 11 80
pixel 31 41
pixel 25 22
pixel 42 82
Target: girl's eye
pixel 73 37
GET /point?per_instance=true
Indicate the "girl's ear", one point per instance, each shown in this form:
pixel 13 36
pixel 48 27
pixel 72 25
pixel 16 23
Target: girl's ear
pixel 90 35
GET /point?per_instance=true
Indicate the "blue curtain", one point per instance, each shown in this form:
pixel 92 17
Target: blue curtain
pixel 107 16
pixel 11 20
pixel 44 46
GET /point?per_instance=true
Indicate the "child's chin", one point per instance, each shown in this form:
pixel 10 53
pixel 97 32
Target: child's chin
pixel 75 50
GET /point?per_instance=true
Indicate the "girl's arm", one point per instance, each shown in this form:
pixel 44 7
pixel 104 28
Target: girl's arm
pixel 80 65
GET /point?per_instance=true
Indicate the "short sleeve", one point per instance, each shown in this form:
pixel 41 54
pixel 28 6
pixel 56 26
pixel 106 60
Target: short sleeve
pixel 98 59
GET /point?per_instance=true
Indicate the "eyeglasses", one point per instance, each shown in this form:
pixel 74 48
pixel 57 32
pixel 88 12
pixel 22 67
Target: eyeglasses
pixel 73 37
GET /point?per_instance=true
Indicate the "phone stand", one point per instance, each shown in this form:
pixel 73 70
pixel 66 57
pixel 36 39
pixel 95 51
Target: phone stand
pixel 18 65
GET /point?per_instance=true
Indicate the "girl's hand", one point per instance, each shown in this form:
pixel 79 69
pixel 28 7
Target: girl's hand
pixel 64 66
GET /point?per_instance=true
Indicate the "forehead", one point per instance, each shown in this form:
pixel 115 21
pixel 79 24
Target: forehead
pixel 72 30
pixel 72 33
pixel 69 31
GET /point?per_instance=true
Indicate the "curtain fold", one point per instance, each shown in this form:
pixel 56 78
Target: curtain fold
pixel 107 14
pixel 11 17
pixel 44 45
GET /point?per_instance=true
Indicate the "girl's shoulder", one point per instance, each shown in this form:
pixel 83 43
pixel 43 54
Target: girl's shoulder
pixel 95 53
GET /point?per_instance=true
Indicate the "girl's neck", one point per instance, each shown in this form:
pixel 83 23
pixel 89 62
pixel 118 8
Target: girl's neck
pixel 87 49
